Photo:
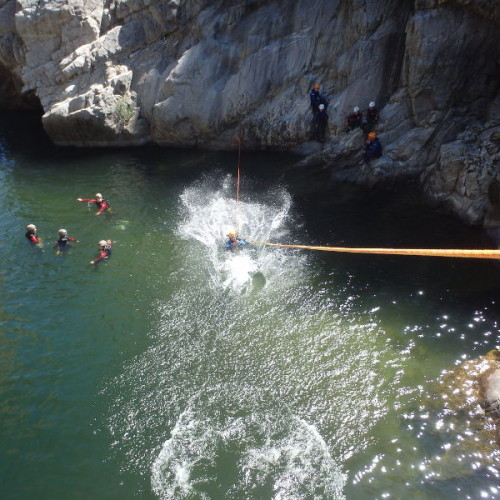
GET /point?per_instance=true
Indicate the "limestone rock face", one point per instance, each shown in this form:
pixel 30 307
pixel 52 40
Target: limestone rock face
pixel 196 73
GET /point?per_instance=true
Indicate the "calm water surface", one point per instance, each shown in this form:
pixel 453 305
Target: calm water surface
pixel 177 371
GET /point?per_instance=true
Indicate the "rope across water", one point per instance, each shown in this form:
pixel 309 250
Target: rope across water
pixel 426 252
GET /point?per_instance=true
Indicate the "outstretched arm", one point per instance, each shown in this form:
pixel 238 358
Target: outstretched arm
pixel 102 255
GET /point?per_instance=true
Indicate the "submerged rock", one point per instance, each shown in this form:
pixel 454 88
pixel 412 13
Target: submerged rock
pixel 474 384
pixel 490 391
pixel 467 419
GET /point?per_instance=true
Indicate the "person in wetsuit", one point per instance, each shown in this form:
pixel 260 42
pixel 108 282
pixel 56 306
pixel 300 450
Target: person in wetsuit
pixel 319 121
pixel 372 118
pixel 32 235
pixel 373 148
pixel 62 243
pixel 233 242
pixel 319 124
pixel 102 204
pixel 353 120
pixel 316 99
pixel 104 251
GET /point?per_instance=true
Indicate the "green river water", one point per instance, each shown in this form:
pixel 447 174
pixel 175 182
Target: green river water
pixel 177 371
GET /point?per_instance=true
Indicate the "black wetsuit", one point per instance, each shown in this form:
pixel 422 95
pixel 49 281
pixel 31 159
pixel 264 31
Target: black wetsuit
pixel 62 243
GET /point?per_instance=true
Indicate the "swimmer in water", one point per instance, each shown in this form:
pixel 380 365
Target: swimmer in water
pixel 233 242
pixel 62 243
pixel 104 251
pixel 102 204
pixel 32 235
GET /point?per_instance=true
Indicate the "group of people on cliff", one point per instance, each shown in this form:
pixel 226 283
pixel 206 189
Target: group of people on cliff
pixel 62 244
pixel 367 123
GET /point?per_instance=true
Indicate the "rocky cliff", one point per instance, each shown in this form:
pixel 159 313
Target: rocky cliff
pixel 196 73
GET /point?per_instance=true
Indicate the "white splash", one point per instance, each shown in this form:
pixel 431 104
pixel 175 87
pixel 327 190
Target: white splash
pixel 209 212
pixel 269 451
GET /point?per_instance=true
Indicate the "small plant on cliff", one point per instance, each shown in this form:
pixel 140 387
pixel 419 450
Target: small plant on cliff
pixel 124 111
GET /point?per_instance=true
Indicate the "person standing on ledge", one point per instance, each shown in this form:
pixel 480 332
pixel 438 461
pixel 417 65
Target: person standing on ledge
pixel 101 203
pixel 316 99
pixel 372 118
pixel 104 251
pixel 319 123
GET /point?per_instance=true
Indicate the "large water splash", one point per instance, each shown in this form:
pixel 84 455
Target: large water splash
pixel 209 211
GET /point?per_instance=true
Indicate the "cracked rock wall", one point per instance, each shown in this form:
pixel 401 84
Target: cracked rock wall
pixel 196 73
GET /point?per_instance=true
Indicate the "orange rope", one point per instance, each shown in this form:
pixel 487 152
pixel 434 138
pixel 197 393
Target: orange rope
pixel 238 187
pixel 429 252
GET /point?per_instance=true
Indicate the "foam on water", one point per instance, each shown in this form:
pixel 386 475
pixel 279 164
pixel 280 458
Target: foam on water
pixel 271 452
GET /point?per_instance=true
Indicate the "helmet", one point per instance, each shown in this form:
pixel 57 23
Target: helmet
pixel 231 234
pixel 356 109
pixel 98 195
pixel 321 106
pixel 372 135
pixel 63 232
pixel 372 104
pixel 103 243
pixel 316 86
pixel 31 227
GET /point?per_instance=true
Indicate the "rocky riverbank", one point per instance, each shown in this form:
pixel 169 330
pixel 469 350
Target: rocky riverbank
pixel 196 73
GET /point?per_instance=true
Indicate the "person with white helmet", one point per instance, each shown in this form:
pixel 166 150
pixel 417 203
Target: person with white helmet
pixel 372 116
pixel 319 117
pixel 32 235
pixel 320 121
pixel 353 120
pixel 102 204
pixel 62 243
pixel 104 251
pixel 233 242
